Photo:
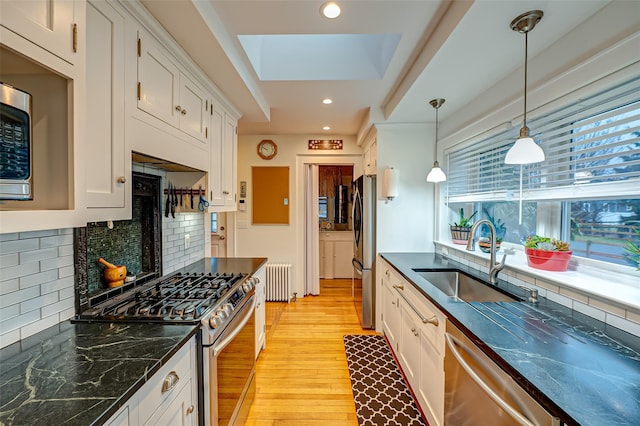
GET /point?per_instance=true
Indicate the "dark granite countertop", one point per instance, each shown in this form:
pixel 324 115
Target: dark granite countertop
pixel 247 265
pixel 82 373
pixel 580 369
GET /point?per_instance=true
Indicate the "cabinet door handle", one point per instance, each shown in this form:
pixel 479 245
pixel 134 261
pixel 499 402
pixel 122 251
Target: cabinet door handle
pixel 178 108
pixel 183 112
pixel 225 192
pixel 398 286
pixel 190 409
pixel 433 320
pixel 122 179
pixel 170 381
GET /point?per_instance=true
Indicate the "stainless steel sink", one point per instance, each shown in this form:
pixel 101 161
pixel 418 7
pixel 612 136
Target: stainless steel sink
pixel 464 288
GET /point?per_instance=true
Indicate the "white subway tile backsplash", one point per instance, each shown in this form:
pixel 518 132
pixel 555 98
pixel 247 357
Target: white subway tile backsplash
pixel 575 295
pixel 7 260
pixel 38 234
pixel 19 270
pixel 32 284
pixel 623 324
pixel 589 310
pixel 17 246
pixel 36 255
pixel 607 307
pixel 20 321
pixel 9 286
pixel 9 237
pixel 632 316
pixel 37 279
pixel 57 240
pixel 37 303
pixel 58 262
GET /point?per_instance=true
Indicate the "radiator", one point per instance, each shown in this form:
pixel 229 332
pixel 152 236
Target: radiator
pixel 278 282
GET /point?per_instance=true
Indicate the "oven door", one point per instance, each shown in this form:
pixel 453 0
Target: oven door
pixel 231 369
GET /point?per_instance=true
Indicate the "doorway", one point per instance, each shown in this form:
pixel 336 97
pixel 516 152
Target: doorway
pixel 218 234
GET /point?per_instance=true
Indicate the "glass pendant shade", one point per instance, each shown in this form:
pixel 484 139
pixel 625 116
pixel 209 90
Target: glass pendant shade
pixel 436 174
pixel 524 151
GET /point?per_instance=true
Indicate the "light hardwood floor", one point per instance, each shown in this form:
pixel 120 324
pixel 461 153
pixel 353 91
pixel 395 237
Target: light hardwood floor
pixel 302 376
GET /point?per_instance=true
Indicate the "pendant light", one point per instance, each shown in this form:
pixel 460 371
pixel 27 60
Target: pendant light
pixel 525 150
pixel 436 174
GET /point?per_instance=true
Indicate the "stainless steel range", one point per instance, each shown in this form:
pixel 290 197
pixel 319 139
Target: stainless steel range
pixel 223 305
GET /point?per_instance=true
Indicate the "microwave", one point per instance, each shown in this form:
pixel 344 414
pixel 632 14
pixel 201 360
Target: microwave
pixel 16 149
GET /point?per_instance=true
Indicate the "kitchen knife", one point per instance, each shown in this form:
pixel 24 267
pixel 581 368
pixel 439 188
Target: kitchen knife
pixel 168 202
pixel 173 203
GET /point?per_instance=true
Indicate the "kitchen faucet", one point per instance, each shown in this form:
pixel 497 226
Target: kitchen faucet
pixel 494 267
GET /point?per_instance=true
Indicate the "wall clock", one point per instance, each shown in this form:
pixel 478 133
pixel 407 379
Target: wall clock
pixel 267 149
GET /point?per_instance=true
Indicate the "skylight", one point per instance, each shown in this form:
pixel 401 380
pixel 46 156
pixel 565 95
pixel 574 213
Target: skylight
pixel 320 56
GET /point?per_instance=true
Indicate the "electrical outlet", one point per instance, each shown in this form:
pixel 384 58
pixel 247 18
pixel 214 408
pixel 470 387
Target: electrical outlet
pixel 187 240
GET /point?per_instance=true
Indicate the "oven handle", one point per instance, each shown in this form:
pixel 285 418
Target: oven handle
pixel 219 346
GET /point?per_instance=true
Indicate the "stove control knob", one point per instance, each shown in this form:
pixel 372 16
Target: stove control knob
pixel 215 321
pixel 248 286
pixel 226 308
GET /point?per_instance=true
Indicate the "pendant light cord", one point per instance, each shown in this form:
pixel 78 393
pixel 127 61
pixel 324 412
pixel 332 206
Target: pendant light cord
pixel 524 119
pixel 436 153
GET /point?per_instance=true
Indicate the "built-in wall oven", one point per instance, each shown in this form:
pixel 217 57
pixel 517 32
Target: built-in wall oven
pixel 478 392
pixel 16 157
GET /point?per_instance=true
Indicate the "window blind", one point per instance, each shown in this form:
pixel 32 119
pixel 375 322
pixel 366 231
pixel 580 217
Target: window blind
pixel 592 147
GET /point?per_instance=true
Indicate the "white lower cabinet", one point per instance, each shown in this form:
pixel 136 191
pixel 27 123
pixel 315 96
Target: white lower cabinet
pixel 336 253
pixel 168 398
pixel 415 328
pixel 261 299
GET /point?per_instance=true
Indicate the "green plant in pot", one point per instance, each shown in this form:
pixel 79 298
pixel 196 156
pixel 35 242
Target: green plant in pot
pixel 633 249
pixel 460 229
pixel 547 253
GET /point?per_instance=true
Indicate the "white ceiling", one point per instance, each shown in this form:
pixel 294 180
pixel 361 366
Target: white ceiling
pixel 453 50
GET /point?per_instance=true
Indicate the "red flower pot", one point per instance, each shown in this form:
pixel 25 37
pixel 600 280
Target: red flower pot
pixel 548 260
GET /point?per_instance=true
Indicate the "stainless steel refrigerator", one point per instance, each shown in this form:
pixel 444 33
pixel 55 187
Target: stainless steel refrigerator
pixel 364 239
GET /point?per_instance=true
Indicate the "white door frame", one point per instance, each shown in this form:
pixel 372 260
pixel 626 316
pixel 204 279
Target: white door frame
pixel 301 221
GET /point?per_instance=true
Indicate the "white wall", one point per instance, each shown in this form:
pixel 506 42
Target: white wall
pixel 283 243
pixel 407 222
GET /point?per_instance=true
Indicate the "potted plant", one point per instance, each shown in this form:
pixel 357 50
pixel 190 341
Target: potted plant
pixel 460 229
pixel 634 249
pixel 547 253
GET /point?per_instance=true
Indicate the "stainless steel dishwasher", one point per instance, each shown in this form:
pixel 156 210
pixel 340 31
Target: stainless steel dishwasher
pixel 479 392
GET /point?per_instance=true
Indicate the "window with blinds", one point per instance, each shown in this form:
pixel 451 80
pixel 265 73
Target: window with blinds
pixel 591 146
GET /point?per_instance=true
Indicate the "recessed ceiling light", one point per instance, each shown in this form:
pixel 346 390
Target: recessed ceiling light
pixel 330 10
pixel 326 128
pixel 327 101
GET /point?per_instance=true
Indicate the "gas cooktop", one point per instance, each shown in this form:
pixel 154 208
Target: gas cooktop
pixel 178 298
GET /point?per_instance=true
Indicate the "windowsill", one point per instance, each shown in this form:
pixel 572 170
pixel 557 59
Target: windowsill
pixel 615 284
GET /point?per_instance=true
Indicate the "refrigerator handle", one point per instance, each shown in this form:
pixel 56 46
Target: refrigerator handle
pixel 357 265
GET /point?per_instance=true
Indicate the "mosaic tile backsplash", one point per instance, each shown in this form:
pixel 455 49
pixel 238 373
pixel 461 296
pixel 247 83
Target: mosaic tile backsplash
pixel 120 246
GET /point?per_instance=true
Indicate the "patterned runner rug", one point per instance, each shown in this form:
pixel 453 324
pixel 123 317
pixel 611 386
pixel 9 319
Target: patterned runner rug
pixel 379 390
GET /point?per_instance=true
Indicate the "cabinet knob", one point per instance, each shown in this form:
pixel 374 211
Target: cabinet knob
pixel 225 192
pixel 190 409
pixel 122 179
pixel 433 321
pixel 178 108
pixel 398 286
pixel 413 330
pixel 183 112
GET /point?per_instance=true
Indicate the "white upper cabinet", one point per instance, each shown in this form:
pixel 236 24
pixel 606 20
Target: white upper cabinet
pixel 48 23
pixel 105 149
pixel 168 94
pixel 158 82
pixel 222 166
